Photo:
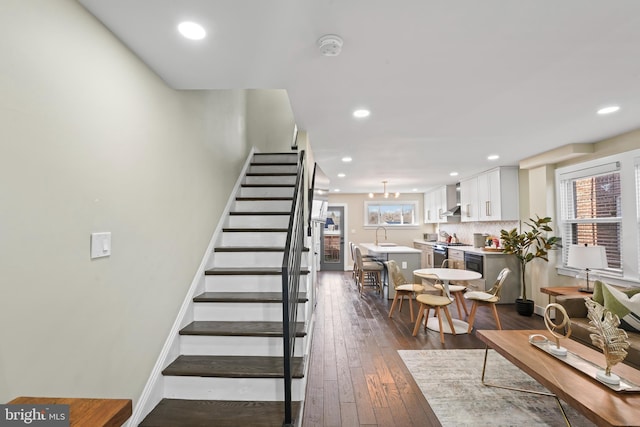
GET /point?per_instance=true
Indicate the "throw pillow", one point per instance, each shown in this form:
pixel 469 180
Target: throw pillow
pixel 624 304
pixel 597 292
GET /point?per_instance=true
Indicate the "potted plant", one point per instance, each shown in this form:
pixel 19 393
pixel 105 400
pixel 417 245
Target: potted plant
pixel 527 246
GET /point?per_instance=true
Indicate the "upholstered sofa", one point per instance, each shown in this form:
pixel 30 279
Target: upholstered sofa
pixel 577 312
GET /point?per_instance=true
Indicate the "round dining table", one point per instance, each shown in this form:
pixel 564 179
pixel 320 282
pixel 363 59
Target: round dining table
pixel 446 275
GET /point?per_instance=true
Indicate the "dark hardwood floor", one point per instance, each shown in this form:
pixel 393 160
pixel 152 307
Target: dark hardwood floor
pixel 356 377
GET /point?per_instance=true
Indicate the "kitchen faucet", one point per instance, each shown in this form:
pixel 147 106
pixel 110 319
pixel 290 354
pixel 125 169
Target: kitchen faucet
pixel 385 234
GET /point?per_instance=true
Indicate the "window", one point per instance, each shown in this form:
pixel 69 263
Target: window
pixel 391 213
pixel 591 210
pixel 598 203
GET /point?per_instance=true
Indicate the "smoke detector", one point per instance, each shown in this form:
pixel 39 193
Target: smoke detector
pixel 330 45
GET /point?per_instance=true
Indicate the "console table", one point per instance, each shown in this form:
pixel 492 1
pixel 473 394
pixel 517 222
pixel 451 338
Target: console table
pixel 563 290
pixel 595 401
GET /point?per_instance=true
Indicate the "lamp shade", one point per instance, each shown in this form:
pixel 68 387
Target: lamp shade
pixel 583 256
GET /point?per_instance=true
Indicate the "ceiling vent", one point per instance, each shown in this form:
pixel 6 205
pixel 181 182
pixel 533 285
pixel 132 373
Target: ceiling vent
pixel 330 45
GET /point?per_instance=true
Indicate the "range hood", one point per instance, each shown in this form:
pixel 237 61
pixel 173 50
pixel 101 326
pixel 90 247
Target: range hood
pixel 454 211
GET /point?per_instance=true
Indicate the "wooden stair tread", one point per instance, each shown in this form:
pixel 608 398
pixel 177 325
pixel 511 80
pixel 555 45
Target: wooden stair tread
pixel 206 413
pixel 237 213
pixel 254 230
pixel 277 153
pixel 233 367
pixel 253 249
pixel 274 163
pixel 247 271
pixel 263 198
pixel 268 185
pixel 219 413
pixel 238 329
pixel 271 174
pixel 245 297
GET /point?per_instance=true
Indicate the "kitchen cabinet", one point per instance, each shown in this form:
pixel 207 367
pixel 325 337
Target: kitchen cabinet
pixel 438 201
pixel 490 196
pixel 426 257
pixel 456 258
pixel 493 264
pixel 408 259
pixel 469 200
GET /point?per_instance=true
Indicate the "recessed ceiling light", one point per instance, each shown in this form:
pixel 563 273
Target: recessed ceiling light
pixel 493 157
pixel 414 190
pixel 341 175
pixel 453 174
pixel 337 190
pixel 608 110
pixel 360 114
pixel 347 159
pixel 191 30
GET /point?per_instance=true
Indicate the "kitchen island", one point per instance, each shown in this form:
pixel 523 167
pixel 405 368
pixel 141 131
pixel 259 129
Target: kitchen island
pixel 408 259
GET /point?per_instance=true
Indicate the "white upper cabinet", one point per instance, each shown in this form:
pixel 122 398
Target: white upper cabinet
pixel 433 205
pixel 469 199
pixel 437 202
pixel 491 196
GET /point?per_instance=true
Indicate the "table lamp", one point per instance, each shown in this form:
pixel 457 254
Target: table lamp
pixel 587 257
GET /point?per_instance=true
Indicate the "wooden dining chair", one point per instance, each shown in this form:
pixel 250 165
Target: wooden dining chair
pixel 403 288
pixel 439 303
pixel 489 298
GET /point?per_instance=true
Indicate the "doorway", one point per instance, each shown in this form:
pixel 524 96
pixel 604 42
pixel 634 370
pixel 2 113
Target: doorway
pixel 333 256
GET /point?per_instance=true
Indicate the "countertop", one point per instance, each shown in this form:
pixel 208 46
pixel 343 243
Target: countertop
pixel 469 248
pixel 372 247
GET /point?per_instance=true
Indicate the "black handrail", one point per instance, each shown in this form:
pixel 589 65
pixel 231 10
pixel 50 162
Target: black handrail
pixel 291 265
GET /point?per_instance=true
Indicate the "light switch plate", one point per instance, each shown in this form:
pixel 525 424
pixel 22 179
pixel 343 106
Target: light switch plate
pixel 100 245
pixel 404 265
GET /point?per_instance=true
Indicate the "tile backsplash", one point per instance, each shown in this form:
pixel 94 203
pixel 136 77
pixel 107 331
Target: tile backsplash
pixel 466 230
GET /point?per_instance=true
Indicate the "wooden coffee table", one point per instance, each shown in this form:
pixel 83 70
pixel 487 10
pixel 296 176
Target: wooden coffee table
pixel 595 401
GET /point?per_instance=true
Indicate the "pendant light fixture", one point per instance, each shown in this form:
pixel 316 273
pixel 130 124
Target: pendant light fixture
pixel 385 193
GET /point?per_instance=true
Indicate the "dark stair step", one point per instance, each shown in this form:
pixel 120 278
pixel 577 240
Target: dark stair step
pixel 279 153
pixel 253 249
pixel 242 271
pixel 266 198
pixel 245 297
pixel 208 413
pixel 233 367
pixel 238 329
pixel 237 213
pixel 271 174
pixel 267 185
pixel 255 230
pixel 274 163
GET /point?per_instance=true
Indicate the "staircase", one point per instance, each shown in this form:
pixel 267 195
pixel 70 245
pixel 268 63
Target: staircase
pixel 229 370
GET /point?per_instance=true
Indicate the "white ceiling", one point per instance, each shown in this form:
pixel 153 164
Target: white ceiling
pixel 447 82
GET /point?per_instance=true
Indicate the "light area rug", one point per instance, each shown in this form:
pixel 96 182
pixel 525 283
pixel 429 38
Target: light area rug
pixel 451 382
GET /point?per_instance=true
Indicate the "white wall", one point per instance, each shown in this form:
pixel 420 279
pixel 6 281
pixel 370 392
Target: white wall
pixel 92 140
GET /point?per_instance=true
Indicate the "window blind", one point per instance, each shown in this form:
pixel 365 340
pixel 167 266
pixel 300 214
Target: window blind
pixel 590 211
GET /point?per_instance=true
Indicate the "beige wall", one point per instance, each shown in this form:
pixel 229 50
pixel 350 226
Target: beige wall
pixel 92 140
pixel 539 196
pixel 356 231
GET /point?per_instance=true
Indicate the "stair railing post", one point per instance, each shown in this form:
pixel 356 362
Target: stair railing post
pixel 291 266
